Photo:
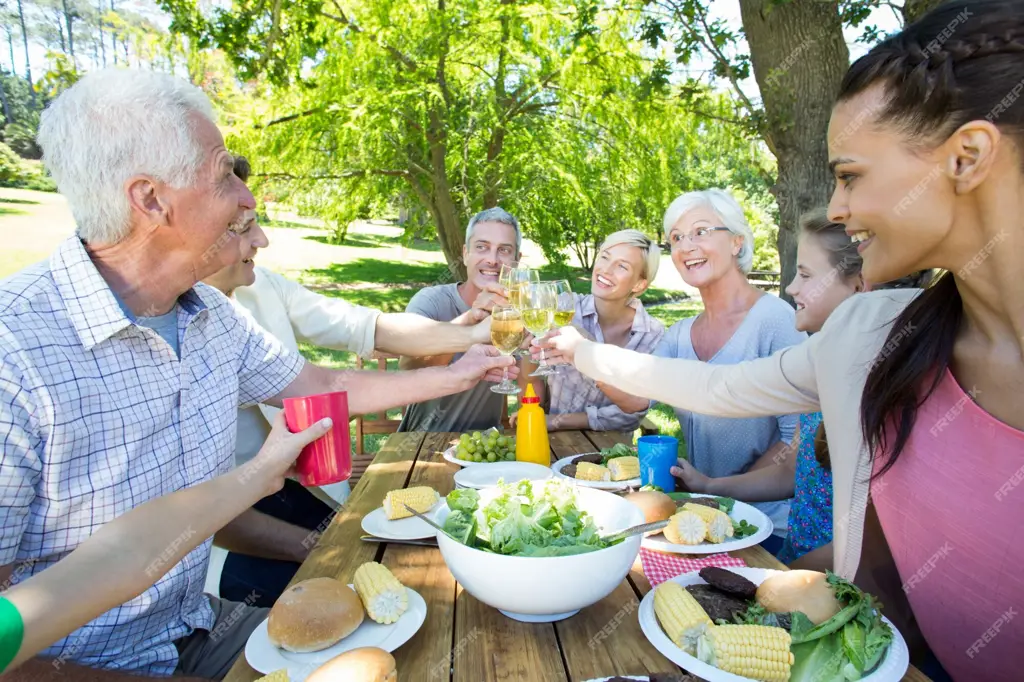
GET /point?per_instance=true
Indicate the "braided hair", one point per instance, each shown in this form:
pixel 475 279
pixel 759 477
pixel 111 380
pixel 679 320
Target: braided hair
pixel 962 61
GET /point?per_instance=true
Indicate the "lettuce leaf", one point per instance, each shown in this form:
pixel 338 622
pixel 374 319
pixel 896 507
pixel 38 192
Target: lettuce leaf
pixel 463 499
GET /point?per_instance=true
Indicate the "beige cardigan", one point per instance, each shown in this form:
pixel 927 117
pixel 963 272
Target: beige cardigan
pixel 825 373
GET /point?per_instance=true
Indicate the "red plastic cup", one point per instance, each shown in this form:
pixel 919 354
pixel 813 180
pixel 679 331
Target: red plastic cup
pixel 328 459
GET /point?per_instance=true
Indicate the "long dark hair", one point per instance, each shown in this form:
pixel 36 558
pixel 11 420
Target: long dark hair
pixel 958 63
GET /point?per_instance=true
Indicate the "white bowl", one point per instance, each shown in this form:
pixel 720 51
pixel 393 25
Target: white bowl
pixel 546 589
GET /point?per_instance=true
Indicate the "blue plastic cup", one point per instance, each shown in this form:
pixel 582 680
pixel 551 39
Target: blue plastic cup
pixel 658 454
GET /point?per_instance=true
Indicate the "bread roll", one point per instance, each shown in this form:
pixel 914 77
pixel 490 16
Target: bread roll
pixel 313 615
pixel 656 506
pixel 804 591
pixel 365 664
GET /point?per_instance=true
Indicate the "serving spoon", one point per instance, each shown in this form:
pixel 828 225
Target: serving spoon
pixel 636 530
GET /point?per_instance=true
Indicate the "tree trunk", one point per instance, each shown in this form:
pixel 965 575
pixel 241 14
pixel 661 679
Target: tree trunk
pixel 799 58
pixel 113 36
pixel 5 103
pixel 28 65
pixel 103 45
pixel 10 46
pixel 69 19
pixel 915 9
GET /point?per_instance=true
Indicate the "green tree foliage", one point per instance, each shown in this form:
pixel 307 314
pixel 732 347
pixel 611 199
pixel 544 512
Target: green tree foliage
pixel 551 108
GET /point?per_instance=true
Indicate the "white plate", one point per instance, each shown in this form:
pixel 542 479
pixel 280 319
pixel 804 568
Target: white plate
pixel 740 512
pixel 264 657
pixel 600 485
pixel 891 668
pixel 510 472
pixel 409 528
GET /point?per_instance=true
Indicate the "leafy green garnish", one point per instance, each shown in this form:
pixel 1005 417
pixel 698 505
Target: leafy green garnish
pixel 742 529
pixel 617 450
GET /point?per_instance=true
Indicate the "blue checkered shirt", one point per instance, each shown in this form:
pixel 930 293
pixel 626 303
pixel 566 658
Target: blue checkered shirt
pixel 98 415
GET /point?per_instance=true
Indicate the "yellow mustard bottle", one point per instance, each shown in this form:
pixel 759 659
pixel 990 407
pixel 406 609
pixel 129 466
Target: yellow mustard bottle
pixel 532 431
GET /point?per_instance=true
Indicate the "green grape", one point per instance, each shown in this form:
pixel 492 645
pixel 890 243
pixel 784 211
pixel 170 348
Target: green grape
pixel 462 453
pixel 477 436
pixel 465 439
pixel 491 457
pixel 478 457
pixel 503 441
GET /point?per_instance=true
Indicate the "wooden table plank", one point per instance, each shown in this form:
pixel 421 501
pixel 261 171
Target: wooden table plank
pixel 489 646
pixel 604 639
pixel 422 569
pixel 339 550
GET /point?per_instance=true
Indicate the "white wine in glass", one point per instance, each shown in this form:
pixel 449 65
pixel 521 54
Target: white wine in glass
pixel 507 334
pixel 538 301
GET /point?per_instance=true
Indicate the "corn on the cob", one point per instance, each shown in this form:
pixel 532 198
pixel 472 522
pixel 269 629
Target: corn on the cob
pixel 420 498
pixel 624 468
pixel 276 676
pixel 384 597
pixel 588 471
pixel 760 652
pixel 719 523
pixel 680 615
pixel 686 528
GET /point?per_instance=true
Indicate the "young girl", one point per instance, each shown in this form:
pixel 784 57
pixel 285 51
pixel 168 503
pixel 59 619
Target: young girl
pixel 920 390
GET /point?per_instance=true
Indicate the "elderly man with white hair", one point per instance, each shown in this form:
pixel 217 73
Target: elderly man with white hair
pixel 121 374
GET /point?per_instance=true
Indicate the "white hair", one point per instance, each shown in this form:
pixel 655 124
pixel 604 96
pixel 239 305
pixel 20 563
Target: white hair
pixel 651 251
pixel 726 208
pixel 114 124
pixel 495 215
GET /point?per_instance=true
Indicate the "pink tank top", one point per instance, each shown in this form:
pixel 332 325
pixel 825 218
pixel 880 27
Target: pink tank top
pixel 952 509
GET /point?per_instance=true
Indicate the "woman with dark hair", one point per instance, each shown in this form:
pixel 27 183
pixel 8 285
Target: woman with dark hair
pixel 920 391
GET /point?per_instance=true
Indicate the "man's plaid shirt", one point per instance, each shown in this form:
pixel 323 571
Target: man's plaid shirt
pixel 98 415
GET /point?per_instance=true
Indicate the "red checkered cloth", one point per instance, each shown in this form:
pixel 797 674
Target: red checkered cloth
pixel 661 566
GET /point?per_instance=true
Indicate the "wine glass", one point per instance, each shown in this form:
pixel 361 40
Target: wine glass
pixel 538 301
pixel 565 306
pixel 512 277
pixel 507 334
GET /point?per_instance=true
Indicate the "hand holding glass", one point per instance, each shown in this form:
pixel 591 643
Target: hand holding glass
pixel 507 333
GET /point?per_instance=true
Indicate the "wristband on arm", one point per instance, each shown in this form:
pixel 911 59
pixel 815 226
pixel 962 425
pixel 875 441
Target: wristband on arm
pixel 12 630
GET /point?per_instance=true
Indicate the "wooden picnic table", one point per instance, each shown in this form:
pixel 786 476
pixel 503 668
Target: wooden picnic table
pixel 482 644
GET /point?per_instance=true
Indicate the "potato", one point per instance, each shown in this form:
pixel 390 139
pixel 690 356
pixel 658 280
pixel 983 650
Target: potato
pixel 804 591
pixel 656 506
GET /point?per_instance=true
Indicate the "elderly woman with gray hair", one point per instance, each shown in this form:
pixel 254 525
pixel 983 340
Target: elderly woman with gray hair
pixel 713 250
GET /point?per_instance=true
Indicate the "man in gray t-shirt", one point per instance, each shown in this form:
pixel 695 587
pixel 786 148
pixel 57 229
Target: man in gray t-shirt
pixel 493 238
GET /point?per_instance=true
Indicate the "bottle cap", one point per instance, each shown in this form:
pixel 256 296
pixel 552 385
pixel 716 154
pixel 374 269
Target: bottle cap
pixel 530 397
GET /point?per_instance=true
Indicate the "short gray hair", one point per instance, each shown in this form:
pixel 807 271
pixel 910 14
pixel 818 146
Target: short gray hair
pixel 495 215
pixel 728 210
pixel 113 124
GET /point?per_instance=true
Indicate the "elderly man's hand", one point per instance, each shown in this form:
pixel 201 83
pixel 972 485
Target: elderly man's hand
pixel 482 362
pixel 559 346
pixel 276 459
pixel 492 295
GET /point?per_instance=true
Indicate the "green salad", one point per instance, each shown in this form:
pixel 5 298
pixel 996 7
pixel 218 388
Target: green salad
pixel 520 521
